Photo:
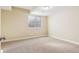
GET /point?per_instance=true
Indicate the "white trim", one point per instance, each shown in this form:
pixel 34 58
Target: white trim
pixel 23 38
pixel 59 38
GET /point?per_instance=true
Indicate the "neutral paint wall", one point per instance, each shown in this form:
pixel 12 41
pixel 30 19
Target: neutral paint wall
pixel 0 22
pixel 64 24
pixel 0 28
pixel 15 25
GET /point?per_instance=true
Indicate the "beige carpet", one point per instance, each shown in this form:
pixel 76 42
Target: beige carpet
pixel 40 45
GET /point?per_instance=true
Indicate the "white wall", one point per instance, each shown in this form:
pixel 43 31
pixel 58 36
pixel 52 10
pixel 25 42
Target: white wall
pixel 65 24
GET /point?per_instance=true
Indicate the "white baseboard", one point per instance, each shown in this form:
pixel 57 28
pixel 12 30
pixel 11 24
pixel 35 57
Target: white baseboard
pixel 59 38
pixel 23 38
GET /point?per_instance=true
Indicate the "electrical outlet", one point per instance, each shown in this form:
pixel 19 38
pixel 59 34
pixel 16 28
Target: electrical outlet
pixel 2 38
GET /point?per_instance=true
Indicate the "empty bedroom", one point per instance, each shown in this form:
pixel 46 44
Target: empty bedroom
pixel 40 29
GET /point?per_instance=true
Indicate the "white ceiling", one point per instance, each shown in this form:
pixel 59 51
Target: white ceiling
pixel 5 7
pixel 38 10
pixel 27 7
pixel 34 10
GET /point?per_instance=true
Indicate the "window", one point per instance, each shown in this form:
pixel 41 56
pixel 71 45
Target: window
pixel 34 21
